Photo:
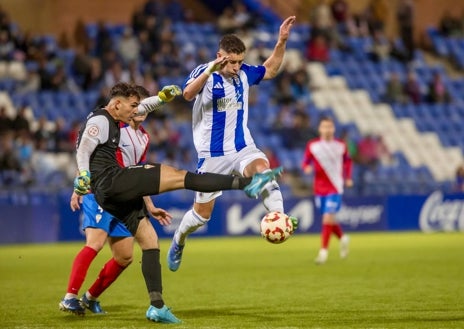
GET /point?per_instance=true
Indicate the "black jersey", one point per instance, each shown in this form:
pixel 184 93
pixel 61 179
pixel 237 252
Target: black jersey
pixel 103 163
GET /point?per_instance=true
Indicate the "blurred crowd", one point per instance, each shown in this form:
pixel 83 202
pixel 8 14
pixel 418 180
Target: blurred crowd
pixel 146 52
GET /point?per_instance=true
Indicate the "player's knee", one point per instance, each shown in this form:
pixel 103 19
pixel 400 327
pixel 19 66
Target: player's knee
pixel 96 245
pixel 123 260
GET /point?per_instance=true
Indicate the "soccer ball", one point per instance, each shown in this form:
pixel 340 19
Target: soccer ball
pixel 276 227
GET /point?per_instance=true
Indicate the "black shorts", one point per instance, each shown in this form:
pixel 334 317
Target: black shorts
pixel 121 193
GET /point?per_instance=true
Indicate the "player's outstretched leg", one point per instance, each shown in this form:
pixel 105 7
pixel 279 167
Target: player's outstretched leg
pixel 71 305
pixel 259 180
pixel 162 315
pixel 91 304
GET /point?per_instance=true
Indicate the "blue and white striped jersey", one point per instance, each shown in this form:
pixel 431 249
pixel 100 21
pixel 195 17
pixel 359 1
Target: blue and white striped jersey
pixel 220 111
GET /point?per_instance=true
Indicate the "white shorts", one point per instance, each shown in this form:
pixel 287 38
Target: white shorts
pixel 226 165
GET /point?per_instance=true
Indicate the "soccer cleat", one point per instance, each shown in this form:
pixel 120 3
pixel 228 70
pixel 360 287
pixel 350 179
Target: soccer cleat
pixel 92 305
pixel 162 315
pixel 322 257
pixel 71 305
pixel 254 189
pixel 344 246
pixel 175 255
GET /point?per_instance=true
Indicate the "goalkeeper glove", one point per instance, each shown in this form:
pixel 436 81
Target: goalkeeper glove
pixel 82 183
pixel 212 67
pixel 168 93
pixel 153 103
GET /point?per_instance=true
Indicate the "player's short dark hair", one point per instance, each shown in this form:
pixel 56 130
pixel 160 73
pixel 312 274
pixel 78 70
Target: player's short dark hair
pixel 232 44
pixel 325 118
pixel 123 89
pixel 142 91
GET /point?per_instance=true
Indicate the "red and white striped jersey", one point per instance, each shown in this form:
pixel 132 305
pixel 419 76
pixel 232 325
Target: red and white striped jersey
pixel 133 146
pixel 331 163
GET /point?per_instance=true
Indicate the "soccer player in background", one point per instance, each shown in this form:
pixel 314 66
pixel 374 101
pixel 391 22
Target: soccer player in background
pixel 222 139
pixel 121 191
pixel 99 225
pixel 332 170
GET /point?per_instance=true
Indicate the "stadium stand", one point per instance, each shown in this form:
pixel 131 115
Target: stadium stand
pixel 425 140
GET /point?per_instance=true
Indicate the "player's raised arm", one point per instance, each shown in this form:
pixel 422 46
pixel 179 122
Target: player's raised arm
pixel 274 61
pixel 198 78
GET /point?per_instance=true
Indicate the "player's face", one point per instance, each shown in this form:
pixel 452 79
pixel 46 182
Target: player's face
pixel 126 108
pixel 233 64
pixel 326 129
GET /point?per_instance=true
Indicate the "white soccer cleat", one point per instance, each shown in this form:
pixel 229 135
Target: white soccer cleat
pixel 322 256
pixel 344 246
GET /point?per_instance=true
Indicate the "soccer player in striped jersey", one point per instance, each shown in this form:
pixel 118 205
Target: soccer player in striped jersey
pixel 332 170
pixel 222 139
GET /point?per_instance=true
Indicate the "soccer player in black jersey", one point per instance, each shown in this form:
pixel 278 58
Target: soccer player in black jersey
pixel 120 191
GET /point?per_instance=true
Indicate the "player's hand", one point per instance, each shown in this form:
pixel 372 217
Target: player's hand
pixel 168 93
pixel 76 201
pixel 161 215
pixel 308 170
pixel 216 65
pixel 285 28
pixel 349 183
pixel 294 223
pixel 82 183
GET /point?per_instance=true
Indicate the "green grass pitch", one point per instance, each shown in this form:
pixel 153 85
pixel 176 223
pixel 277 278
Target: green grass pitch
pixel 394 280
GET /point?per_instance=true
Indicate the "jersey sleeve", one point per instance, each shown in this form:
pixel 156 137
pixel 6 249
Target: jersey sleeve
pixel 96 132
pixel 195 74
pixel 254 73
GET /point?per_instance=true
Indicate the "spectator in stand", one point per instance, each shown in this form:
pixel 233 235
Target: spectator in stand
pixel 394 89
pixel 115 74
pixel 340 9
pixel 153 8
pixel 380 50
pixel 449 26
pixel 6 46
pixel 405 18
pixel 21 123
pixel 5 121
pixel 300 85
pixel 356 25
pixel 146 48
pixel 322 22
pixel 226 21
pixel 103 42
pixel 128 46
pixel 283 119
pixel 350 144
pixel 318 49
pixel 42 134
pixel 60 137
pixel 412 89
pixel 135 76
pixel 368 150
pixel 377 15
pixel 437 92
pixel 299 133
pixel 10 166
pixel 284 87
pixel 242 17
pixel 459 183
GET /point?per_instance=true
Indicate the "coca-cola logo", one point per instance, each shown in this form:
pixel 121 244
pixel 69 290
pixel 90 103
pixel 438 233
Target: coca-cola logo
pixel 438 214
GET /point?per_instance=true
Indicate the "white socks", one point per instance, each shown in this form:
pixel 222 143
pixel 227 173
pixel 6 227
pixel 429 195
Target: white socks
pixel 189 224
pixel 272 197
